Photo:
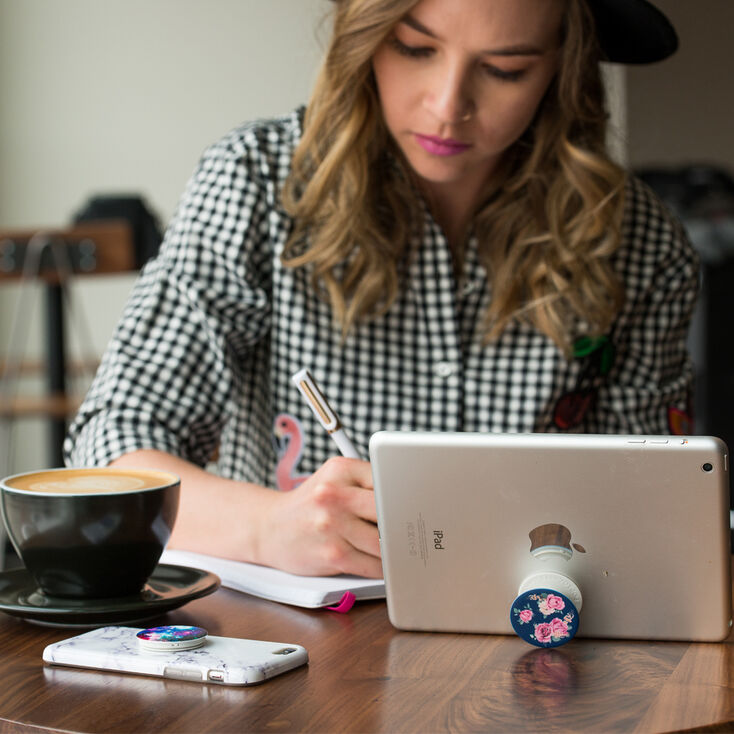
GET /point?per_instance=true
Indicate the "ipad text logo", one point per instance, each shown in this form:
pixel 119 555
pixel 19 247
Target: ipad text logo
pixel 412 547
pixel 438 540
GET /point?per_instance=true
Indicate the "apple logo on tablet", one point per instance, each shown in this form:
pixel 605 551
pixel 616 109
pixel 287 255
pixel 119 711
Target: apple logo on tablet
pixel 552 539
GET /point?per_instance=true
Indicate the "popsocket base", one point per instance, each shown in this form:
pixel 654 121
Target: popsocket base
pixel 544 616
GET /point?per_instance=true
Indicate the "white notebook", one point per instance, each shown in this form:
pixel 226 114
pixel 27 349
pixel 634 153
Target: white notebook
pixel 269 583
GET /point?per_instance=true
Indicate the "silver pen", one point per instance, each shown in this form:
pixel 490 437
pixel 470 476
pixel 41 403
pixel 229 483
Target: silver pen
pixel 316 399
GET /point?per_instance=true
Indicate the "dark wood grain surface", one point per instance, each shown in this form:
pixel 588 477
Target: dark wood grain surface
pixel 366 676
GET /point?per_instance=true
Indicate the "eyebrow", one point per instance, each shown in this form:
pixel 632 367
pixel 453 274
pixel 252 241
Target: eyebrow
pixel 519 49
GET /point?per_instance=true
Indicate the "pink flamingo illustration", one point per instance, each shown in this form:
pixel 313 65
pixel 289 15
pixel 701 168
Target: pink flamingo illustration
pixel 289 447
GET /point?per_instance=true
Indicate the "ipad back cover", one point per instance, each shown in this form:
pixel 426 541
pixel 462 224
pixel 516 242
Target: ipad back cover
pixel 639 523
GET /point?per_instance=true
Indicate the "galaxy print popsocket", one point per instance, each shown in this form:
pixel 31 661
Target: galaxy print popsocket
pixel 171 637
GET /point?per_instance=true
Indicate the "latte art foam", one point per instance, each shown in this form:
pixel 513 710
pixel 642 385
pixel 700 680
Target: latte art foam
pixel 98 480
pixel 90 484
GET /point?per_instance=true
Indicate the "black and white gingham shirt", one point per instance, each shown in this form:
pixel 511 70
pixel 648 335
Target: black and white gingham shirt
pixel 216 326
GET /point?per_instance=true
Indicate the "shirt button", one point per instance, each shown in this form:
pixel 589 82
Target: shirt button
pixel 445 369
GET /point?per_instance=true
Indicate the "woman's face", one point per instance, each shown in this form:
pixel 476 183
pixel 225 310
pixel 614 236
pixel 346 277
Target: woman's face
pixel 459 81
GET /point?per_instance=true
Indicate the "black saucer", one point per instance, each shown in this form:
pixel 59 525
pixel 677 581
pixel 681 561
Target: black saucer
pixel 168 588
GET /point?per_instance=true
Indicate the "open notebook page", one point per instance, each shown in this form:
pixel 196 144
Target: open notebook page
pixel 275 585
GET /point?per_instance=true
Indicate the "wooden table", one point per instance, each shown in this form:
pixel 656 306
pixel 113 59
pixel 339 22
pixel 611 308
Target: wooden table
pixel 365 676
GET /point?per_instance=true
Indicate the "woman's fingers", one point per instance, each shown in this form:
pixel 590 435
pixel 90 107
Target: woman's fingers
pixel 363 537
pixel 335 497
pixel 328 524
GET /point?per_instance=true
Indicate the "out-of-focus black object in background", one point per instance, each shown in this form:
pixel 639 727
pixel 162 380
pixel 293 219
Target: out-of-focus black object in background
pixel 144 224
pixel 146 239
pixel 702 196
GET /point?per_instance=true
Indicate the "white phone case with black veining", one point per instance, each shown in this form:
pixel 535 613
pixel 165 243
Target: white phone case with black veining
pixel 221 660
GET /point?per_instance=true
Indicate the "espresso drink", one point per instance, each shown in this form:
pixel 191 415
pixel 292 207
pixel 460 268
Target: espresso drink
pixel 90 533
pixel 90 481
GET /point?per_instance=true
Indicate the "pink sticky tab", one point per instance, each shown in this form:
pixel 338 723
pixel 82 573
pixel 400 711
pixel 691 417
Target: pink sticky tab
pixel 345 603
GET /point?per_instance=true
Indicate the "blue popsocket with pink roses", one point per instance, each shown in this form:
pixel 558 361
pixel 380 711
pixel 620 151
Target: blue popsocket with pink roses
pixel 544 617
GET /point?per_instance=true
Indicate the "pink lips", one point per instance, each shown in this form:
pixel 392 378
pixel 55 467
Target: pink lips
pixel 441 146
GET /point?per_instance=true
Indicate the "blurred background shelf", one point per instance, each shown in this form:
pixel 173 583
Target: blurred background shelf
pixel 58 406
pixel 92 248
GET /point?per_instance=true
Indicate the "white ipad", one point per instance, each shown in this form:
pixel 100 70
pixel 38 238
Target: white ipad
pixel 639 523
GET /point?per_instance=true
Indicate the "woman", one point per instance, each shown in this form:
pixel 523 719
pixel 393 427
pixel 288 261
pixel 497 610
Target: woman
pixel 442 240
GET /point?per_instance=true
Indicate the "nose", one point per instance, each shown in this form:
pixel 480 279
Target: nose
pixel 449 96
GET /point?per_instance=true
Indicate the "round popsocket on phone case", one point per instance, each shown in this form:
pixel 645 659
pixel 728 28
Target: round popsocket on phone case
pixel 171 637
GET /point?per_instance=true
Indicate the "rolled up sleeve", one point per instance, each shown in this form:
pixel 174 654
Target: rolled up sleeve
pixel 171 370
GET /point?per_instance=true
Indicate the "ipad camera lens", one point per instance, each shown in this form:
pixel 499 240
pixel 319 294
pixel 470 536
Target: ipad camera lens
pixel 708 467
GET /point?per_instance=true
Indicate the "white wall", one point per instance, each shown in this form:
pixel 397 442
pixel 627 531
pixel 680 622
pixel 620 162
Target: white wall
pixel 124 94
pixel 615 83
pixel 110 96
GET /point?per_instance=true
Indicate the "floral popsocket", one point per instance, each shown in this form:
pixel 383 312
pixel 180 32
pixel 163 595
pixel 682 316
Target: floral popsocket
pixel 544 616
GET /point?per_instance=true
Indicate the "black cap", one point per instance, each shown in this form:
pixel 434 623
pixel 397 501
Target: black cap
pixel 633 31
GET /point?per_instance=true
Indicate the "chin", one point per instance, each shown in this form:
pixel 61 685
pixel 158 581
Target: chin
pixel 439 174
pixel 445 170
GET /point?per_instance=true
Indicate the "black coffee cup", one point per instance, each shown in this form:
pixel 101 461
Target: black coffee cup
pixel 90 533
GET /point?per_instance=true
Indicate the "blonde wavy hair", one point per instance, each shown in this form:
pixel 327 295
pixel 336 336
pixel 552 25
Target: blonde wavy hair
pixel 546 228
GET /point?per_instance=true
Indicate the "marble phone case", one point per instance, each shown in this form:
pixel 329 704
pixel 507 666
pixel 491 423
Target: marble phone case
pixel 221 660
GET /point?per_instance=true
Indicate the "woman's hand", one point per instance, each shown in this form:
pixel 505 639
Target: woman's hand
pixel 325 526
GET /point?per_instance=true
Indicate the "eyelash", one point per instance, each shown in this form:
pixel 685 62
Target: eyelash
pixel 502 75
pixel 413 52
pixel 422 52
